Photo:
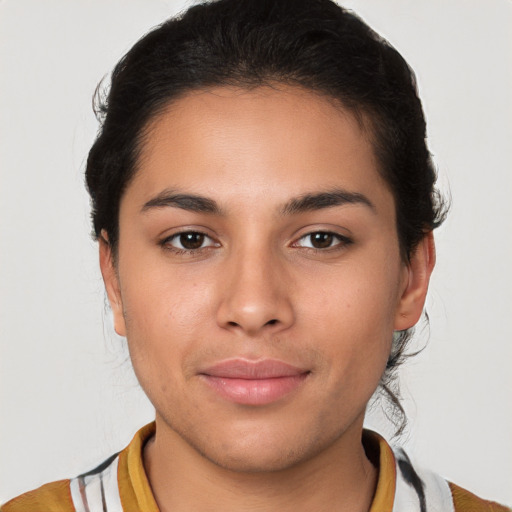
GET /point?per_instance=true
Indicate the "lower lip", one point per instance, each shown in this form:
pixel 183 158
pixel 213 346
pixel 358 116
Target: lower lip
pixel 255 391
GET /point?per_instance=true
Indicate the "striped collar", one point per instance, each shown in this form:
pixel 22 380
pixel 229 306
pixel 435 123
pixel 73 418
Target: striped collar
pixel 120 483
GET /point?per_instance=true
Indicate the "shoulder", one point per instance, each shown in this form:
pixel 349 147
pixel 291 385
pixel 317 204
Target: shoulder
pixel 115 482
pixel 433 492
pixel 419 489
pixel 465 501
pixel 52 497
pixel 63 495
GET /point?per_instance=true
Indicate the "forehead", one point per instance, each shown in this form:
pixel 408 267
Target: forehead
pixel 267 142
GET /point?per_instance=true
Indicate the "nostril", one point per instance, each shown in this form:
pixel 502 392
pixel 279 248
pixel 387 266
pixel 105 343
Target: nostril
pixel 272 322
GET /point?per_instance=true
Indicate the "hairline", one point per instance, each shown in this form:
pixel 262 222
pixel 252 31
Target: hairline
pixel 366 117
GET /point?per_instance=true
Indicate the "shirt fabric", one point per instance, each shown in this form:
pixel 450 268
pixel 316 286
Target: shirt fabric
pixel 120 484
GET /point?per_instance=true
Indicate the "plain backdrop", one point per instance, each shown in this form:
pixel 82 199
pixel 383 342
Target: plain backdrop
pixel 68 398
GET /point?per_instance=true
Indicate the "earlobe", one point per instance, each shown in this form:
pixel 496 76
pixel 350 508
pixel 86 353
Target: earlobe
pixel 111 281
pixel 414 293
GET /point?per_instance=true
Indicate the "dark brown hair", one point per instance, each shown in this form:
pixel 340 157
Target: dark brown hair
pixel 314 44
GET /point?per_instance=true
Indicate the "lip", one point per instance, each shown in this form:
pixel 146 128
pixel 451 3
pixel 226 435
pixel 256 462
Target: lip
pixel 253 382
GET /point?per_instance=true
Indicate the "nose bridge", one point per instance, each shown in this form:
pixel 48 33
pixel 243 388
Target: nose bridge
pixel 255 296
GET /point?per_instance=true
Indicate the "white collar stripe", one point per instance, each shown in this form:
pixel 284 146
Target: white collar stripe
pixel 417 490
pixel 98 492
pixel 431 494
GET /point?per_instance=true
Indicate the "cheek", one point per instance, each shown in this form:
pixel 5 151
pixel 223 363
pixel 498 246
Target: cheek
pixel 158 297
pixel 358 299
pixel 357 343
pixel 164 316
pixel 352 317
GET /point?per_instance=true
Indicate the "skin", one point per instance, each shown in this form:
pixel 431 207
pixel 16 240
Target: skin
pixel 256 289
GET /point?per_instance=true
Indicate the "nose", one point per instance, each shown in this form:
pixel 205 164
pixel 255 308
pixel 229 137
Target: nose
pixel 255 295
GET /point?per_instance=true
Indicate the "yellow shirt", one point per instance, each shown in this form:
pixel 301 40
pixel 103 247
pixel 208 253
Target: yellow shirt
pixel 121 485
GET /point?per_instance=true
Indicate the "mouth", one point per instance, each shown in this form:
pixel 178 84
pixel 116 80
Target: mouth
pixel 253 382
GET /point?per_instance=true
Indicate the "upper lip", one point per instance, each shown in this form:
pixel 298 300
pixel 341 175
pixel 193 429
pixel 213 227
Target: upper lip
pixel 245 369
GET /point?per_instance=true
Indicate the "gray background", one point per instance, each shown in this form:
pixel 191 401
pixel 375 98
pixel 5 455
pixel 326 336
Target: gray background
pixel 68 398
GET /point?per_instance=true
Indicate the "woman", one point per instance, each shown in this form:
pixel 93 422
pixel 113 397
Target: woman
pixel 264 204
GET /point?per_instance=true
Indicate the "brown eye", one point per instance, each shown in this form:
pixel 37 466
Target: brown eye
pixel 321 240
pixel 188 241
pixel 191 240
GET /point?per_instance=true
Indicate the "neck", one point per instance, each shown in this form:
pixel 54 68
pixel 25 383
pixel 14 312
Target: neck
pixel 183 480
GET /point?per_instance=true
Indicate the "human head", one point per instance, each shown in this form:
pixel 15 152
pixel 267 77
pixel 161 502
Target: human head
pixel 315 45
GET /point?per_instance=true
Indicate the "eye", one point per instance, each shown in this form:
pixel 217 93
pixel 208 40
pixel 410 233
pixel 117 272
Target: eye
pixel 189 241
pixel 322 240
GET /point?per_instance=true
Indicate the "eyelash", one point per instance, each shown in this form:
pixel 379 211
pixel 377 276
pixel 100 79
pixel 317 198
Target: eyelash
pixel 166 243
pixel 342 242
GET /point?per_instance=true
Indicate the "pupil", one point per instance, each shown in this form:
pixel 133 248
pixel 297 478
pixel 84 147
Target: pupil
pixel 192 240
pixel 321 240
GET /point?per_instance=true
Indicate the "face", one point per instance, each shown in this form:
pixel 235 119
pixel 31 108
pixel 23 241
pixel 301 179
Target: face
pixel 259 278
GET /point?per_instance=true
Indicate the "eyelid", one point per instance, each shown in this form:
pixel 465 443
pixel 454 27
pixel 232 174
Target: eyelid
pixel 165 242
pixel 343 240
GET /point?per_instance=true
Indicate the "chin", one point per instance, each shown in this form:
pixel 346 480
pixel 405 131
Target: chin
pixel 259 450
pixel 254 461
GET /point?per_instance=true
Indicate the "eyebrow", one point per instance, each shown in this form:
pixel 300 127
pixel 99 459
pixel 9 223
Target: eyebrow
pixel 328 199
pixel 190 202
pixel 301 204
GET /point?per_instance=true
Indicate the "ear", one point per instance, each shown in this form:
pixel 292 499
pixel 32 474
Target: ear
pixel 418 271
pixel 111 280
